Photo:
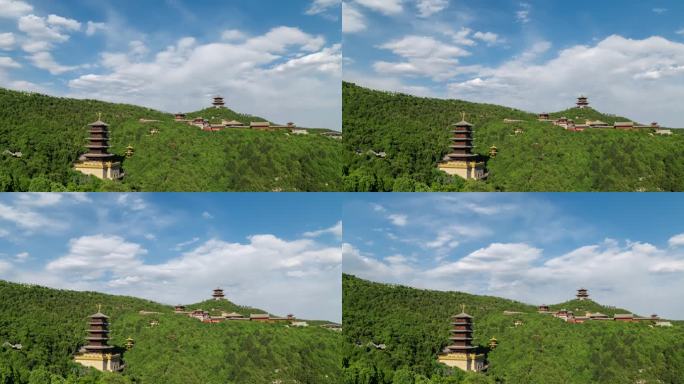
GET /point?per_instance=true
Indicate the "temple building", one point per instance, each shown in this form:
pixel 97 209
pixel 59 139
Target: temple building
pixel 461 161
pixel 180 116
pixel 218 102
pixel 462 353
pixel 582 102
pixel 543 308
pixel 218 294
pixel 98 161
pixel 97 354
pixel 179 308
pixel 582 294
pixel 543 116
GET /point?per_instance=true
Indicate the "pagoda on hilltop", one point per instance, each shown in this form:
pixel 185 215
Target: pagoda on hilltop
pixel 218 102
pixel 97 353
pixel 461 353
pixel 461 161
pixel 582 294
pixel 582 102
pixel 98 161
pixel 218 294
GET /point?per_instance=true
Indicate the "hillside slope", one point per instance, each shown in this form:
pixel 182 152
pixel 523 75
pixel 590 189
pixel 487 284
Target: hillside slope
pixel 51 133
pixel 412 131
pixel 414 326
pixel 50 325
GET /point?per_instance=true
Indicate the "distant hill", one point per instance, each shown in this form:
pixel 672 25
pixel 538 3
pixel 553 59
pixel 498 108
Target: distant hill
pixel 412 131
pixel 414 326
pixel 50 133
pixel 50 325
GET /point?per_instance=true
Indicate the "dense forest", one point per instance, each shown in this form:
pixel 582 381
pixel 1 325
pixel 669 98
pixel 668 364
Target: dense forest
pixel 51 325
pixel 50 133
pixel 414 326
pixel 412 132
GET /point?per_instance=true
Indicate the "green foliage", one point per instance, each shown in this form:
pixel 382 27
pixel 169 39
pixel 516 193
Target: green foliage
pixel 50 324
pixel 413 132
pixel 51 133
pixel 414 325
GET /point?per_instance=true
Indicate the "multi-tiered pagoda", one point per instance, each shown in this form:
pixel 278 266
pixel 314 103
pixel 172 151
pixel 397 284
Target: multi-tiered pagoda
pixel 582 102
pixel 218 102
pixel 98 161
pixel 218 294
pixel 461 161
pixel 461 353
pixel 582 294
pixel 97 353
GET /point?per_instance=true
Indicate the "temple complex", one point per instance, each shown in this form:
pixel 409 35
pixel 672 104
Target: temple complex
pixel 97 354
pixel 461 353
pixel 218 102
pixel 582 102
pixel 582 294
pixel 461 161
pixel 218 294
pixel 98 161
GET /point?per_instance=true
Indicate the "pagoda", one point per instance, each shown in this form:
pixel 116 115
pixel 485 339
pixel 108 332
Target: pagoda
pixel 493 343
pixel 96 353
pixel 218 102
pixel 129 151
pixel 98 161
pixel 493 151
pixel 462 353
pixel 582 102
pixel 130 343
pixel 582 294
pixel 461 161
pixel 218 294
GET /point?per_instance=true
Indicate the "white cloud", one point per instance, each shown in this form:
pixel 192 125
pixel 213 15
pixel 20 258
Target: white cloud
pixel 386 7
pixel 5 267
pixel 44 60
pixel 38 29
pixel 150 236
pixel 424 56
pixel 8 62
pixel 352 19
pixel 184 244
pixel 659 11
pixel 523 14
pixel 92 28
pixel 335 230
pixel 63 22
pixel 394 269
pixel 13 9
pixel 284 75
pixel 461 37
pixel 4 232
pixel 617 74
pixel 680 32
pixel 320 6
pixel 233 35
pixel 25 218
pixel 398 219
pixel 91 257
pixel 206 215
pixel 495 258
pixel 677 240
pixel 137 48
pixel 490 38
pixel 7 41
pixel 39 199
pixel 427 8
pixel 131 201
pixel 22 257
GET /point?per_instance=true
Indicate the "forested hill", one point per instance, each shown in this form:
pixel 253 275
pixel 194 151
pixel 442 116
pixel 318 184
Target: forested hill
pixel 50 133
pixel 51 325
pixel 414 326
pixel 412 132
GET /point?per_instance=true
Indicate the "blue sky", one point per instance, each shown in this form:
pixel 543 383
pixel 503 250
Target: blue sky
pixel 174 54
pixel 627 249
pixel 537 55
pixel 279 252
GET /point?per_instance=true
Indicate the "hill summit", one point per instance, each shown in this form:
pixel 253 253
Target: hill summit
pixel 395 141
pixel 41 137
pixel 395 333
